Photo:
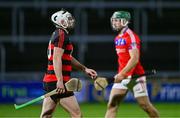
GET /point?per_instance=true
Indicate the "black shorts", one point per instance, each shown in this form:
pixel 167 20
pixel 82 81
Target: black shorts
pixel 49 86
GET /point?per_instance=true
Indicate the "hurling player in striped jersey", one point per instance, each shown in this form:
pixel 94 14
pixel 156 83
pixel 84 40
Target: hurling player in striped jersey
pixel 127 45
pixel 60 63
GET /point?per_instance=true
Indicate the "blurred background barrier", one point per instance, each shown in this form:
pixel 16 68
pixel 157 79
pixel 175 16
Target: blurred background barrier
pixel 25 29
pixel 21 92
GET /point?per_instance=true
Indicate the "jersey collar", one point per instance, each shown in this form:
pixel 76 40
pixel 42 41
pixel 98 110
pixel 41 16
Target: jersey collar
pixel 123 31
pixel 64 30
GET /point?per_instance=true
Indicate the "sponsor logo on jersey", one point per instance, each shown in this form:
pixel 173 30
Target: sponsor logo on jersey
pixel 120 41
pixel 120 50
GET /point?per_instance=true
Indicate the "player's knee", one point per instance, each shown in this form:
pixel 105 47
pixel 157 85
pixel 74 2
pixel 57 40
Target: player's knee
pixel 47 114
pixel 76 113
pixel 144 106
pixel 112 106
pixel 147 107
pixel 150 110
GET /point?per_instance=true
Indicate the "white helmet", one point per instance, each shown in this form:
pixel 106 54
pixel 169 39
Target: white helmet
pixel 63 19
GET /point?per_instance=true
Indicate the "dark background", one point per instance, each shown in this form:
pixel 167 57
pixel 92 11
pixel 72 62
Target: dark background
pixel 164 55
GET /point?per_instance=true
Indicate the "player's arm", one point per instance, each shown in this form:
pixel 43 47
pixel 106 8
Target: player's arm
pixel 57 63
pixel 134 58
pixel 77 65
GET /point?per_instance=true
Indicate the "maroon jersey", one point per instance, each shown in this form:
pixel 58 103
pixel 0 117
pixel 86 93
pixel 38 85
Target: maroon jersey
pixel 59 39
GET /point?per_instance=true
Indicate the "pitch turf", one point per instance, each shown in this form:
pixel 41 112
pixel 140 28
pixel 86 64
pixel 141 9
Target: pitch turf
pixel 126 110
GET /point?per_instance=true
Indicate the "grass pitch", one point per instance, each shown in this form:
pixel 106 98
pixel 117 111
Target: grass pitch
pixel 89 110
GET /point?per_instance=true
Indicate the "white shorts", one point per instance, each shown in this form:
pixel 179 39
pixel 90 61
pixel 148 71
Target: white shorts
pixel 139 89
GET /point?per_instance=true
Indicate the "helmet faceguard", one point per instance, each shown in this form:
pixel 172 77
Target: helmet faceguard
pixel 63 19
pixel 122 16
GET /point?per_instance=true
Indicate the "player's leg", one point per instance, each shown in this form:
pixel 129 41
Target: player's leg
pixel 146 105
pixel 116 96
pixel 71 105
pixel 49 103
pixel 141 95
pixel 48 108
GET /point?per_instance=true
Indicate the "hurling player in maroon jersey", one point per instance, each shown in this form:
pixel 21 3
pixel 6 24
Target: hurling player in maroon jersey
pixel 60 63
pixel 127 45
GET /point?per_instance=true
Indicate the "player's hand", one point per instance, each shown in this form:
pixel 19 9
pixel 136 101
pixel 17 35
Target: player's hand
pixel 60 87
pixel 119 77
pixel 92 73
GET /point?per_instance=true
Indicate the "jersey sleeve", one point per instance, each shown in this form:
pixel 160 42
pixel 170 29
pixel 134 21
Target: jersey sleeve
pixel 60 41
pixel 132 42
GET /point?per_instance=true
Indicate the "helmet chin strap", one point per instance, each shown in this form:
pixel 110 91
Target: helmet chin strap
pixel 64 26
pixel 124 22
pixel 58 26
